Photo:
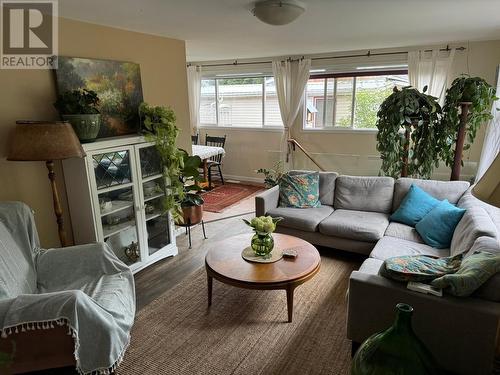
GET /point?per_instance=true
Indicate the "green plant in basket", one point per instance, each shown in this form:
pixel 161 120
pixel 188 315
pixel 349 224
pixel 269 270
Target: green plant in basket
pixel 262 241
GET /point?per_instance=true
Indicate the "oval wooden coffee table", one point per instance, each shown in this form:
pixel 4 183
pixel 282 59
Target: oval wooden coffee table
pixel 225 263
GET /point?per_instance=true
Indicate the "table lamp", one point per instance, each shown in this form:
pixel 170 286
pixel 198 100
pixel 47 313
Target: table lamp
pixel 46 141
pixel 487 188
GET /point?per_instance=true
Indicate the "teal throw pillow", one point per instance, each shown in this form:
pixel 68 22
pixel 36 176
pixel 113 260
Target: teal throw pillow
pixel 437 227
pixel 475 270
pixel 419 268
pixel 414 206
pixel 300 190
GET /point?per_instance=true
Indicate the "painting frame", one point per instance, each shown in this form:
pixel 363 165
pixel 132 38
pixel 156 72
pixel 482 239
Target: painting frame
pixel 118 85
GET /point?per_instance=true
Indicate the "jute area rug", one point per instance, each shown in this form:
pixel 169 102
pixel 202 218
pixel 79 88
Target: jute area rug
pixel 245 331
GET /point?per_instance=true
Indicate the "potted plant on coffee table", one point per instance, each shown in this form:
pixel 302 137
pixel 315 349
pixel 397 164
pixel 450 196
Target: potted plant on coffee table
pixel 80 109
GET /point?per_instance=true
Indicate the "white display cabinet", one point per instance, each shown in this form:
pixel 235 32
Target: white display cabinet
pixel 115 196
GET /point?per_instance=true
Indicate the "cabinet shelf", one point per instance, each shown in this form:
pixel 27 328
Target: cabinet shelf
pixel 153 215
pixel 154 196
pixel 153 177
pixel 109 230
pixel 115 187
pixel 116 207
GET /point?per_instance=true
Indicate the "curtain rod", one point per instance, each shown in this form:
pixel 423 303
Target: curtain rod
pixel 368 54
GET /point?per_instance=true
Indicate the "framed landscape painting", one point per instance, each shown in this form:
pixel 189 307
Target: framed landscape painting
pixel 117 84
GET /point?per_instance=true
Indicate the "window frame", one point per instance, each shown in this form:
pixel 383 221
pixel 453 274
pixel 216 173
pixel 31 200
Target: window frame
pixel 354 75
pixel 264 126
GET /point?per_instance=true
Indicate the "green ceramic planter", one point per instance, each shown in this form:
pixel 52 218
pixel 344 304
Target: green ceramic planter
pixel 396 351
pixel 86 127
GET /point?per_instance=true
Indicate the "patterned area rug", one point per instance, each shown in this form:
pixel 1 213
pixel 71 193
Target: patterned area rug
pixel 224 196
pixel 245 331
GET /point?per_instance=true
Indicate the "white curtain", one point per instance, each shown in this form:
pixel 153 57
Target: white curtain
pixel 194 92
pixel 291 79
pixel 491 144
pixel 431 69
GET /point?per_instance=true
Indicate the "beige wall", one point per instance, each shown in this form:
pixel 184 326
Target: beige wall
pixel 29 94
pixel 350 152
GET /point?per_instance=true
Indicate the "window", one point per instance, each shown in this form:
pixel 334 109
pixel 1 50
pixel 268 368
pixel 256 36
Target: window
pixel 348 101
pixel 249 102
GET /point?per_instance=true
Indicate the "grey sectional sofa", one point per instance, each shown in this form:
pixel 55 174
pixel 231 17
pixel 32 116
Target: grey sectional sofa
pixel 354 216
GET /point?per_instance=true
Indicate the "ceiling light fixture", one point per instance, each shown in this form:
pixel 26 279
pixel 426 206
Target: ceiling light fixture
pixel 278 12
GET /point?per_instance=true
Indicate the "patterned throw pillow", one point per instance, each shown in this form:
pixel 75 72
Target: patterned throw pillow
pixel 300 190
pixel 475 270
pixel 419 268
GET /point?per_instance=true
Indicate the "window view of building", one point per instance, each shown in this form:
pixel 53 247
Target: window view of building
pixel 332 102
pixel 241 102
pixel 348 102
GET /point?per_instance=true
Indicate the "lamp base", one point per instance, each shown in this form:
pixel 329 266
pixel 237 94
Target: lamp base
pixel 57 203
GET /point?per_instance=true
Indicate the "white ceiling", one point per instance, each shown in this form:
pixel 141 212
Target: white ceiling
pixel 225 29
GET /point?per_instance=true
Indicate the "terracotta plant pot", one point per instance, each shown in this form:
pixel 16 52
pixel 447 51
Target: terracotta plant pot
pixel 192 214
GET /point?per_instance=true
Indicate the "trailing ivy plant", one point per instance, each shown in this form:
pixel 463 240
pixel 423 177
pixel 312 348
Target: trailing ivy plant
pixel 160 128
pixel 464 89
pixel 407 122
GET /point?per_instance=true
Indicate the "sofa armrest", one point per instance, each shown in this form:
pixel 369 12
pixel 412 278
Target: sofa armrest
pixel 266 201
pixel 461 332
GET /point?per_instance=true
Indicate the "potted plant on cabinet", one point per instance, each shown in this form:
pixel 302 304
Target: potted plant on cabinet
pixel 180 170
pixel 407 122
pixel 80 109
pixel 468 104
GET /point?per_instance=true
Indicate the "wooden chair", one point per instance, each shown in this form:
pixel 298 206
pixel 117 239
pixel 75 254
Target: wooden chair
pixel 194 139
pixel 215 161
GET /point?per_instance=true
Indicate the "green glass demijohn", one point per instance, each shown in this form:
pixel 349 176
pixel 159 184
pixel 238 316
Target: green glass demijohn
pixel 397 350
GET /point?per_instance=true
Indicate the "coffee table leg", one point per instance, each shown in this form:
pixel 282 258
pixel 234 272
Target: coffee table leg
pixel 289 302
pixel 209 289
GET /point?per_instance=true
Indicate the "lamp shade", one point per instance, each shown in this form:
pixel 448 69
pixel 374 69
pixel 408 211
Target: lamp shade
pixel 278 12
pixel 488 187
pixel 43 141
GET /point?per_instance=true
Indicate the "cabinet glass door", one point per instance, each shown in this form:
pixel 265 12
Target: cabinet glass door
pixel 117 203
pixel 153 192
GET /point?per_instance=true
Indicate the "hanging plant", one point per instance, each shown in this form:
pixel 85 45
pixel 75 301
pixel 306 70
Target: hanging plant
pixel 160 128
pixel 407 122
pixel 480 95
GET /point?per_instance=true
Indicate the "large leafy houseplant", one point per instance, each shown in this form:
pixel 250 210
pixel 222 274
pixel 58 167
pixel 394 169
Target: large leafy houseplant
pixel 478 97
pixel 81 109
pixel 180 170
pixel 407 123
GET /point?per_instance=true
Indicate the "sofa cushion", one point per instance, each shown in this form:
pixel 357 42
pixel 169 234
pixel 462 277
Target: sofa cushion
pixel 437 227
pixel 415 205
pixel 403 231
pixel 451 190
pixel 356 225
pixel 306 219
pixel 475 223
pixel 326 185
pixel 468 200
pixel 389 247
pixel 364 193
pixel 299 190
